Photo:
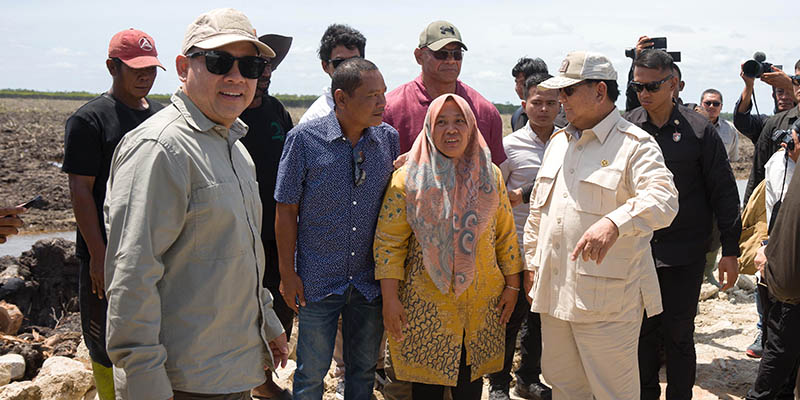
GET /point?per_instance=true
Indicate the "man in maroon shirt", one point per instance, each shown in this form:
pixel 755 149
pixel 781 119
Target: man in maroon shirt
pixel 440 53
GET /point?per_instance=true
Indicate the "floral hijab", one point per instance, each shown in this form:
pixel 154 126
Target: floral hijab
pixel 450 202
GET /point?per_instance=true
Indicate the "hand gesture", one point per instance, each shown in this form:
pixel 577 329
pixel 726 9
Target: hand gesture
pixel 596 241
pixel 643 44
pixel 280 350
pixel 9 221
pixel 728 265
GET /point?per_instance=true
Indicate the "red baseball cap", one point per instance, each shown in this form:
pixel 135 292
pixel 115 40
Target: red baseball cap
pixel 135 48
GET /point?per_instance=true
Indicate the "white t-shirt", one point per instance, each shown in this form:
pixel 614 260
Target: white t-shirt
pixel 525 152
pixel 774 169
pixel 730 138
pixel 321 107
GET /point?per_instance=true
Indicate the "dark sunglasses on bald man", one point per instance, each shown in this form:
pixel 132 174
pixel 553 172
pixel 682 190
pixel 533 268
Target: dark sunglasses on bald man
pixel 220 62
pixel 709 103
pixel 457 54
pixel 650 86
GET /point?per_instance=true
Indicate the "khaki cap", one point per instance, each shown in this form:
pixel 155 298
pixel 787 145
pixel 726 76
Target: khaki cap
pixel 439 34
pixel 219 27
pixel 579 66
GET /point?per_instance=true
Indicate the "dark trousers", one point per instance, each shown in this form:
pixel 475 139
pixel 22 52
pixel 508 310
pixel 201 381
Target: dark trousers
pixel 781 357
pixel 674 329
pixel 272 282
pixel 93 317
pixel 200 396
pixel 464 389
pixel 530 346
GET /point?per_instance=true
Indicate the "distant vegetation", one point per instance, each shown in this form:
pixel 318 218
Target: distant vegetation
pixel 289 100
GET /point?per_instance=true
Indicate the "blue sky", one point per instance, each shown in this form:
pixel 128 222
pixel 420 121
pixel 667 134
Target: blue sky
pixel 55 45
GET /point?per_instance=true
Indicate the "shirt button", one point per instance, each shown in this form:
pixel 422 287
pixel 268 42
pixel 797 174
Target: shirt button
pixel 580 147
pixel 350 277
pixel 555 271
pixel 558 220
pixel 354 229
pixel 355 202
pixel 564 195
pixel 352 253
pixel 557 246
pixel 572 170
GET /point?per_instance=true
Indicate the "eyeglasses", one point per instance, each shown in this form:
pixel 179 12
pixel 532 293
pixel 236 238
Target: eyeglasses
pixel 337 61
pixel 457 54
pixel 651 87
pixel 359 175
pixel 712 103
pixel 220 62
pixel 796 80
pixel 570 90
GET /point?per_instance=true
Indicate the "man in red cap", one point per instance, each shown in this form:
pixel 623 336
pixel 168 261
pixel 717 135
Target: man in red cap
pixel 91 135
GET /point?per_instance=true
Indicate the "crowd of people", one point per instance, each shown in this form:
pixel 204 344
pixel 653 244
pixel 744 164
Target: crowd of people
pixel 410 239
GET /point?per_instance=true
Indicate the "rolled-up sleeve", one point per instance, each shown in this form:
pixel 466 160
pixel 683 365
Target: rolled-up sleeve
pixel 655 200
pixel 143 174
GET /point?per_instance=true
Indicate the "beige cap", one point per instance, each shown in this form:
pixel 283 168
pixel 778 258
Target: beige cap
pixel 219 27
pixel 439 34
pixel 581 65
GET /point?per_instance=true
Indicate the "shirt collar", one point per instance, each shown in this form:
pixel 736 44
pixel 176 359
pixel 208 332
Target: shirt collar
pixel 534 136
pixel 333 130
pixel 197 120
pixel 601 130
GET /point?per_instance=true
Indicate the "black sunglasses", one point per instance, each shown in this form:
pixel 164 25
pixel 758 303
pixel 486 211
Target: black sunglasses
pixel 796 80
pixel 712 103
pixel 219 63
pixel 359 175
pixel 457 54
pixel 651 87
pixel 338 61
pixel 570 90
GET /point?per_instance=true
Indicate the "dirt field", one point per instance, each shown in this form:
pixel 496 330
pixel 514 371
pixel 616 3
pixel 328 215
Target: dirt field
pixel 31 150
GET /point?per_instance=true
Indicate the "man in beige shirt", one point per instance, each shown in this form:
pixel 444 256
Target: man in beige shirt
pixel 187 315
pixel 601 191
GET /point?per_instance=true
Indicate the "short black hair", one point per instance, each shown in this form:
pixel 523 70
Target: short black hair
pixel 340 35
pixel 612 90
pixel 797 65
pixel 534 80
pixel 654 59
pixel 529 66
pixel 347 76
pixel 712 91
pixel 677 70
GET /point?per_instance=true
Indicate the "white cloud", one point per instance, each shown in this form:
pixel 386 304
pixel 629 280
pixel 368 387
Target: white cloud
pixel 551 27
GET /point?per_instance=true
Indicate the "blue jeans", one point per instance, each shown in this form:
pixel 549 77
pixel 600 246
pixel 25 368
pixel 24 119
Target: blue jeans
pixel 362 329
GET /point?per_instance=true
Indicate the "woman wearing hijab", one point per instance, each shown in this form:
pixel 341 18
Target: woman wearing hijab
pixel 447 257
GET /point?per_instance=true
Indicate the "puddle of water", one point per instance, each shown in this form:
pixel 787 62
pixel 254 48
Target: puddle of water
pixel 15 245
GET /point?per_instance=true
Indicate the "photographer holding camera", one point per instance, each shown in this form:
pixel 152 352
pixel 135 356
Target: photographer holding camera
pixel 779 263
pixel 765 146
pixel 751 125
pixel 644 43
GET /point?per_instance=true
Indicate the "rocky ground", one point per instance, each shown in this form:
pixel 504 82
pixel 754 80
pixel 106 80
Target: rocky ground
pixel 44 281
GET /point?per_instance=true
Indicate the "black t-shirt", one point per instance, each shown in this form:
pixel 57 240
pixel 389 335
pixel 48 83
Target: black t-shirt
pixel 92 133
pixel 264 141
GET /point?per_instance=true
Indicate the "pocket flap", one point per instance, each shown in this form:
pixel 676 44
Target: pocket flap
pixel 604 177
pixel 611 267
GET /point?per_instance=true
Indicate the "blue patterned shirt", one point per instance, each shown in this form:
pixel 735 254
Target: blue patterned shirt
pixel 336 221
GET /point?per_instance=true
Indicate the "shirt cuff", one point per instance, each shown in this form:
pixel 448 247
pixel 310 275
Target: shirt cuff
pixel 153 384
pixel 272 325
pixel 730 249
pixel 622 220
pixel 389 273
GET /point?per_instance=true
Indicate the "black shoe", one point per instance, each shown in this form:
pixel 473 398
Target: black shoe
pixel 756 349
pixel 535 391
pixel 498 393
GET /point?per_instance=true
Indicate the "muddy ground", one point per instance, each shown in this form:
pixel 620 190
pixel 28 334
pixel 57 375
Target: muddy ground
pixel 31 150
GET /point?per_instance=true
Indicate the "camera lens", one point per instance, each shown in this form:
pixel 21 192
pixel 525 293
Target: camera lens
pixel 751 68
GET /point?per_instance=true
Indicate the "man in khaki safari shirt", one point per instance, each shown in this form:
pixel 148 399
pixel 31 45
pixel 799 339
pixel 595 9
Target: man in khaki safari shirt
pixel 602 190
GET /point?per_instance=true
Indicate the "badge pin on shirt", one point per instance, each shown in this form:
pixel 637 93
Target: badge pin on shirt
pixel 676 137
pixel 604 163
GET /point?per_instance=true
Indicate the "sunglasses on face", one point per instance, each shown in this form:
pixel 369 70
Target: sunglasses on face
pixel 219 63
pixel 337 61
pixel 796 80
pixel 712 103
pixel 445 54
pixel 359 175
pixel 651 87
pixel 570 90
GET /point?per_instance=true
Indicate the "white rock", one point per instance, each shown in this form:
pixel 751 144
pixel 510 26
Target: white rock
pixel 25 390
pixel 64 378
pixel 82 352
pixel 5 376
pixel 707 291
pixel 14 364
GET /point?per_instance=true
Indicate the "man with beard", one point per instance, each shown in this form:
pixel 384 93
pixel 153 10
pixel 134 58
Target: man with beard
pixel 269 122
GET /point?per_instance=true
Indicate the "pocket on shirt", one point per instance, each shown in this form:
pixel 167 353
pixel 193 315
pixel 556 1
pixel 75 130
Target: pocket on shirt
pixel 215 211
pixel 597 193
pixel 601 287
pixel 541 191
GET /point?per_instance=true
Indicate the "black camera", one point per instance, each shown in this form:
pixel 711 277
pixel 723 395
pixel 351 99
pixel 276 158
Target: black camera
pixel 758 65
pixel 659 43
pixel 785 136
